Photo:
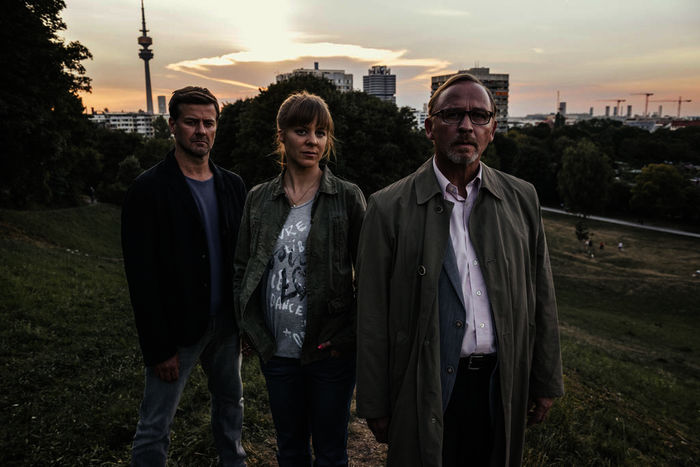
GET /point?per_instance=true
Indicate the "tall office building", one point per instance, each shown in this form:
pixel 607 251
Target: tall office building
pixel 562 109
pixel 342 80
pixel 162 108
pixel 496 82
pixel 146 54
pixel 420 116
pixel 381 83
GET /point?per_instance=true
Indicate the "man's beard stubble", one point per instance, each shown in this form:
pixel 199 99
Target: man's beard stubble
pixel 460 159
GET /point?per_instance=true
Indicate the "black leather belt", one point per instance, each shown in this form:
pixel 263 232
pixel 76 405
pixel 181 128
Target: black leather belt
pixel 478 361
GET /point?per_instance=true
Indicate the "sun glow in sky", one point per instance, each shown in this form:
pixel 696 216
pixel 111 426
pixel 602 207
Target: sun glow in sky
pixel 588 50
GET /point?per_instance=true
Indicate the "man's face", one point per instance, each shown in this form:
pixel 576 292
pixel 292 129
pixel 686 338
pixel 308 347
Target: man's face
pixel 195 128
pixel 461 143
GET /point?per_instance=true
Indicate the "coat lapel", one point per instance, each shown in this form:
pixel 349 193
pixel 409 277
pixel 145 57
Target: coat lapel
pixel 178 188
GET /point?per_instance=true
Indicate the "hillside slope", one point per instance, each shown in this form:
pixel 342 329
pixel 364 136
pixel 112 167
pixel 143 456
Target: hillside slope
pixel 72 376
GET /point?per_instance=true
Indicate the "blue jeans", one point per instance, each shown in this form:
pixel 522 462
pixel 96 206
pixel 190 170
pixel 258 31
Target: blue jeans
pixel 221 362
pixel 310 401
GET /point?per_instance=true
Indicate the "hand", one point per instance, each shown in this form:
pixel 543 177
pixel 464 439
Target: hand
pixel 327 344
pixel 168 370
pixel 246 347
pixel 538 409
pixel 380 428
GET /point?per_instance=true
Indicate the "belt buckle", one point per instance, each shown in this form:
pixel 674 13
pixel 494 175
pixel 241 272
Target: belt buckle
pixel 477 360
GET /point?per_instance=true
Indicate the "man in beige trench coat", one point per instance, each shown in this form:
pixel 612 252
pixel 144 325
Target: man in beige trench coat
pixel 458 341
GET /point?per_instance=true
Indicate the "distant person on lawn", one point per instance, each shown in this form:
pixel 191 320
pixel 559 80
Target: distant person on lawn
pixel 179 228
pixel 458 340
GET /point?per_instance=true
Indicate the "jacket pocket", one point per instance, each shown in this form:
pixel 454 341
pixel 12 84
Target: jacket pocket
pixel 339 305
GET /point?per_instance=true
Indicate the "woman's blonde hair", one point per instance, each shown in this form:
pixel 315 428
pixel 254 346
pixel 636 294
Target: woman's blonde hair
pixel 301 109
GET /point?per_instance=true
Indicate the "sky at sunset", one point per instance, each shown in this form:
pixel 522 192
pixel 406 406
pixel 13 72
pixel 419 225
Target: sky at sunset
pixel 588 50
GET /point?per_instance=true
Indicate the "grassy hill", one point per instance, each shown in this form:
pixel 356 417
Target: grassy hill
pixel 72 379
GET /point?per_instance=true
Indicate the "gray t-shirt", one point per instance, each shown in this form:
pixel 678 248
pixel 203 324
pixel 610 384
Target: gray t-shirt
pixel 286 286
pixel 204 193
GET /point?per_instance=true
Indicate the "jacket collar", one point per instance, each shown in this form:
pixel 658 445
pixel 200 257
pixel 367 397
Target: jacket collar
pixel 178 183
pixel 491 182
pixel 171 166
pixel 427 184
pixel 328 185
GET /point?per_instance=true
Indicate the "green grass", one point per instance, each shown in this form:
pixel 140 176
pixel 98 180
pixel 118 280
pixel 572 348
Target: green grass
pixel 72 374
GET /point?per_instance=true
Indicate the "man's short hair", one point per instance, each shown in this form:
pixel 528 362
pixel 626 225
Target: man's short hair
pixel 191 95
pixel 458 78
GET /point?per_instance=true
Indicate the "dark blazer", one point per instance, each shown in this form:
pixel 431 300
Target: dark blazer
pixel 166 257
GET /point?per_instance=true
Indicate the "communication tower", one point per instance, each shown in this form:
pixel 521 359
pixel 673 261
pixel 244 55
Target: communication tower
pixel 146 54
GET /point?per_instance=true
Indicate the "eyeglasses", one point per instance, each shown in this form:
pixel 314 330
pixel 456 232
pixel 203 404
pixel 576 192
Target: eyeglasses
pixel 456 116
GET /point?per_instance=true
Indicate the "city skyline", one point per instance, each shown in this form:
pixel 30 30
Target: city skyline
pixel 588 51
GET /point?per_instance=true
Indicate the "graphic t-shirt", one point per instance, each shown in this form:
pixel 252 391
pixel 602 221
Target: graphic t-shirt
pixel 286 286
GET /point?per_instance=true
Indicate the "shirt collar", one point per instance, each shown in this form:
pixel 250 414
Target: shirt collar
pixel 448 188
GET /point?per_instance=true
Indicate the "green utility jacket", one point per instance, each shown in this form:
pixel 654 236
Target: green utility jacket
pixel 402 249
pixel 331 250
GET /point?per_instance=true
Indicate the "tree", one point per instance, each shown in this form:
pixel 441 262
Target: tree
pixel 559 120
pixel 659 191
pixel 40 113
pixel 534 162
pixel 376 142
pixel 584 178
pixel 161 130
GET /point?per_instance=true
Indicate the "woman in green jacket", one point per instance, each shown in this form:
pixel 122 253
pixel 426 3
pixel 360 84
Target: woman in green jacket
pixel 294 286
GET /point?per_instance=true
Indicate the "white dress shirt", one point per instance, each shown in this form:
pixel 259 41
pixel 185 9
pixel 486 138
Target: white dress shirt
pixel 479 335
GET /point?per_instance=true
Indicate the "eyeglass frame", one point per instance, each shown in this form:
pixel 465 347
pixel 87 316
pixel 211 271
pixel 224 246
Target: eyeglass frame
pixel 466 113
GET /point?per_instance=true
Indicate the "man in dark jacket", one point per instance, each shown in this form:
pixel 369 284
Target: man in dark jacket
pixel 179 227
pixel 458 341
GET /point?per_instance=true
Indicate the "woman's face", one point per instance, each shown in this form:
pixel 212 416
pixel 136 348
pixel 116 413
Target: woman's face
pixel 304 145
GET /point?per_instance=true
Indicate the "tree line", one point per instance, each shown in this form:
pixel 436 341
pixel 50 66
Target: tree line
pixel 601 166
pixel 54 156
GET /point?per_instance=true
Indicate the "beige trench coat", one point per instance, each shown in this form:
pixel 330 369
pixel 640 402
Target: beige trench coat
pixel 402 247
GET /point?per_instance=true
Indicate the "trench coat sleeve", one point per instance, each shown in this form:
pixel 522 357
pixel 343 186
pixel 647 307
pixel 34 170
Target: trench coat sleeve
pixel 140 234
pixel 546 371
pixel 374 269
pixel 240 260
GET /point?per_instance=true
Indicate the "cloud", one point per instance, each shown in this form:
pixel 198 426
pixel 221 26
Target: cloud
pixel 291 51
pixel 445 12
pixel 537 50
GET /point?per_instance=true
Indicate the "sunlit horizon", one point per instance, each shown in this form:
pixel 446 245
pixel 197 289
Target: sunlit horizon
pixel 603 51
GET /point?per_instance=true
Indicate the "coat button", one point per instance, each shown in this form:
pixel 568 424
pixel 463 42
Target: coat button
pixel 459 324
pixel 450 370
pixel 433 420
pixel 439 209
pixel 421 270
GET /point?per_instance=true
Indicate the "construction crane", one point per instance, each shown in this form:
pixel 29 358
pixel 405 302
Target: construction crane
pixel 646 100
pixel 617 105
pixel 679 101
